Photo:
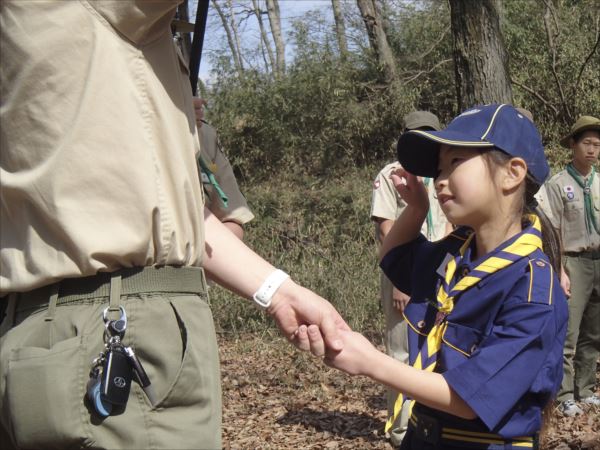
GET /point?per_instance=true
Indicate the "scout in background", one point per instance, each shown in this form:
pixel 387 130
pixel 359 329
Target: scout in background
pixel 224 198
pixel 574 196
pixel 487 316
pixel 386 206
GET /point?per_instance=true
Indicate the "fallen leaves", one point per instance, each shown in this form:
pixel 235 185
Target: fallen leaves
pixel 277 398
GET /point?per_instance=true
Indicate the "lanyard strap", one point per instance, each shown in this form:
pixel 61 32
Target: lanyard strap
pixel 213 181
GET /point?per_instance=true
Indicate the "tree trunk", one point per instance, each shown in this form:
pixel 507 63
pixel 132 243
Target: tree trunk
pixel 230 38
pixel 480 58
pixel 340 29
pixel 263 34
pixel 236 35
pixel 377 38
pixel 275 21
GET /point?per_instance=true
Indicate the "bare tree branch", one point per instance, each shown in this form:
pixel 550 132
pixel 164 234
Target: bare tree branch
pixel 432 48
pixel 536 95
pixel 549 14
pixel 230 39
pixel 589 57
pixel 425 72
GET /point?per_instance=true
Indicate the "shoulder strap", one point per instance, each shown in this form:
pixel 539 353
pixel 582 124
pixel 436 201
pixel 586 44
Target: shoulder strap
pixel 541 281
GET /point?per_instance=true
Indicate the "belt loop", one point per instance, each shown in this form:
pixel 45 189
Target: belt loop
pixel 52 303
pixel 114 299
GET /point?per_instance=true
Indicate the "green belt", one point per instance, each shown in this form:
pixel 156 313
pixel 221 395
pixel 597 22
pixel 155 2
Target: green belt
pixel 135 280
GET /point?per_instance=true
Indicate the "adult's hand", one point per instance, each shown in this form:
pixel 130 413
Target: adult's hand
pixel 294 306
pixel 199 104
pixel 400 300
pixel 565 282
pixel 233 265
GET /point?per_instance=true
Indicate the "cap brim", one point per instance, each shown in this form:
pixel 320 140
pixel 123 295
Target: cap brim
pixel 418 150
pixel 566 141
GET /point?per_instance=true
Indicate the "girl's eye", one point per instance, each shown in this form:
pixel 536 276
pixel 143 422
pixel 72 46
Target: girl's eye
pixel 455 161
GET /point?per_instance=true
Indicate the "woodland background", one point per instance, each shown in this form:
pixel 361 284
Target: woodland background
pixel 309 115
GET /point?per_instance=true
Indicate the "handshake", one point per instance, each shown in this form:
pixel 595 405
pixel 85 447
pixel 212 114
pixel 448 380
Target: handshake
pixel 312 324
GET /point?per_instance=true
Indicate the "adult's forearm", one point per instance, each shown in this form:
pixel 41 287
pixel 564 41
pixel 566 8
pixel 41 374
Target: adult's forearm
pixel 229 262
pixel 235 228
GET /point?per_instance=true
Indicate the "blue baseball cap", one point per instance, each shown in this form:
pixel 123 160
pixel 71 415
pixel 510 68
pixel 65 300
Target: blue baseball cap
pixel 485 126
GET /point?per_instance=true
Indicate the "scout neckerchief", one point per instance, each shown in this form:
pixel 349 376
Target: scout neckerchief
pixel 529 240
pixel 211 178
pixel 426 181
pixel 586 185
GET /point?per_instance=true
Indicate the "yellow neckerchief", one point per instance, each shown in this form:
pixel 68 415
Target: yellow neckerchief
pixel 529 241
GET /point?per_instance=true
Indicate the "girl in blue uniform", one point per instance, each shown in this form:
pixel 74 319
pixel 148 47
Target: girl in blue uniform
pixel 487 316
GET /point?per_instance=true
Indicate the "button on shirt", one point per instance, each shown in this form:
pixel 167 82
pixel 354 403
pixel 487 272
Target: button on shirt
pixel 98 137
pixel 502 349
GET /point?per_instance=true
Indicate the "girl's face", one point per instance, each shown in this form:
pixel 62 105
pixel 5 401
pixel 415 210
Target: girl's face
pixel 465 186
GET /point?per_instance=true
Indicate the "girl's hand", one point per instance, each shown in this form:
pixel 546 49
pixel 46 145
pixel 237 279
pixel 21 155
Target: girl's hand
pixel 353 358
pixel 356 355
pixel 411 189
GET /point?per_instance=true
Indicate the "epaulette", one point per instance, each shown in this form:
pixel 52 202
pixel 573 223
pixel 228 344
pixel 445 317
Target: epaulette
pixel 540 282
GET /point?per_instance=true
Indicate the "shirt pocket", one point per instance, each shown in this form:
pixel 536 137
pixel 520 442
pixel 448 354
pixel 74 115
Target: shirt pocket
pixel 574 211
pixel 461 339
pixel 419 317
pixel 574 225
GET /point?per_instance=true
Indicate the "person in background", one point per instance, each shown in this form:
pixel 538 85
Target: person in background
pixel 386 207
pixel 231 208
pixel 574 196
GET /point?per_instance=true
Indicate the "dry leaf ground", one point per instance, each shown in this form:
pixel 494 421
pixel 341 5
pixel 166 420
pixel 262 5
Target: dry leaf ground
pixel 277 398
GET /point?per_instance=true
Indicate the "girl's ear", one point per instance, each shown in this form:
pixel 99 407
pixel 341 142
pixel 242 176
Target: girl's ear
pixel 515 172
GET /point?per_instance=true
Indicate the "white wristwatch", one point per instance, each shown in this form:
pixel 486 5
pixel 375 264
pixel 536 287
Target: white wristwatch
pixel 265 292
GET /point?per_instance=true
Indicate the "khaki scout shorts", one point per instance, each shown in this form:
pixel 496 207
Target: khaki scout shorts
pixel 46 355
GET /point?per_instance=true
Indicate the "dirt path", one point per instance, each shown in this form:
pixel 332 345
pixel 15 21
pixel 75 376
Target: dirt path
pixel 277 398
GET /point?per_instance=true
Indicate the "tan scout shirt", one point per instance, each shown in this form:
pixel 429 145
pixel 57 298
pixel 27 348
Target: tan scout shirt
pixel 237 208
pixel 386 203
pixel 544 203
pixel 568 212
pixel 98 137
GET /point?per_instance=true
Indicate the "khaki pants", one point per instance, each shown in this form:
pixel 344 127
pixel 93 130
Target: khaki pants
pixel 396 343
pixel 582 345
pixel 46 356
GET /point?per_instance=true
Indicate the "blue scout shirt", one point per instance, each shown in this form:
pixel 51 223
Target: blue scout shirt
pixel 502 349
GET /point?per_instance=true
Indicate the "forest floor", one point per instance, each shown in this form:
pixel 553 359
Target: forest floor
pixel 275 397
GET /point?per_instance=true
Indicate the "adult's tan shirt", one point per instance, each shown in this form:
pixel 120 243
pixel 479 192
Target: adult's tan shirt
pixel 237 209
pixel 97 168
pixel 386 203
pixel 568 212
